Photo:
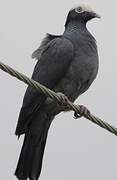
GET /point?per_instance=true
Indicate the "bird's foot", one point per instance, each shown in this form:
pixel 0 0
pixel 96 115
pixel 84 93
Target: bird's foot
pixel 83 112
pixel 63 104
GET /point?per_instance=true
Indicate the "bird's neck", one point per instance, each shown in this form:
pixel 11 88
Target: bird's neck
pixel 75 30
pixel 76 26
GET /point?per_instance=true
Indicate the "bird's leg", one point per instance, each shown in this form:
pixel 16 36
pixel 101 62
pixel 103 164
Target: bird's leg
pixel 63 104
pixel 83 112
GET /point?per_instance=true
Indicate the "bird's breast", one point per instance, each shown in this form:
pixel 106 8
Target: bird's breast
pixel 81 73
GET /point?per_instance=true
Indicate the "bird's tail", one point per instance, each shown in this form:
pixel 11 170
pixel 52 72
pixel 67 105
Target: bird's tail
pixel 30 161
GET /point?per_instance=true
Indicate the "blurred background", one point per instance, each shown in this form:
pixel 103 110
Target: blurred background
pixel 75 149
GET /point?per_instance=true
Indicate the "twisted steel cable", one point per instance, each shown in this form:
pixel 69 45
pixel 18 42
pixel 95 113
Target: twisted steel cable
pixel 49 93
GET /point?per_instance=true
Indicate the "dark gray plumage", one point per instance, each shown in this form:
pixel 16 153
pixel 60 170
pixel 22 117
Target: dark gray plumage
pixel 67 64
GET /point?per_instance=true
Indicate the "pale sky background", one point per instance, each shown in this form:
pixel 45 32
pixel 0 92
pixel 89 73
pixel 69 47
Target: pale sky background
pixel 75 149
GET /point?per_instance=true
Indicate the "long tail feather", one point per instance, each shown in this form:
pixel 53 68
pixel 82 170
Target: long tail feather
pixel 30 160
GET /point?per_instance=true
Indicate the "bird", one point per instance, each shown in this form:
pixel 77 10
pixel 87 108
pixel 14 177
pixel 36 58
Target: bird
pixel 67 64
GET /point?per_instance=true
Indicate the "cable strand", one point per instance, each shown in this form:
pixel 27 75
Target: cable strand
pixel 49 93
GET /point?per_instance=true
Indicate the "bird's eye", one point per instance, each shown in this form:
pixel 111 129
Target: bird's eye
pixel 79 9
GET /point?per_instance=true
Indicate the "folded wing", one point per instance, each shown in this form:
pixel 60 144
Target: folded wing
pixel 49 70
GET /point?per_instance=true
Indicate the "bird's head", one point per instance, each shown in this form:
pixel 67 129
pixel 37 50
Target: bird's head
pixel 82 13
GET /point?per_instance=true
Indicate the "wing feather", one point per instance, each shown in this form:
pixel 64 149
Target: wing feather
pixel 49 70
pixel 45 42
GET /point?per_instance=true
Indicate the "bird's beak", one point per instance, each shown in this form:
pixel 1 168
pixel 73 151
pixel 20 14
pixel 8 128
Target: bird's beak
pixel 95 15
